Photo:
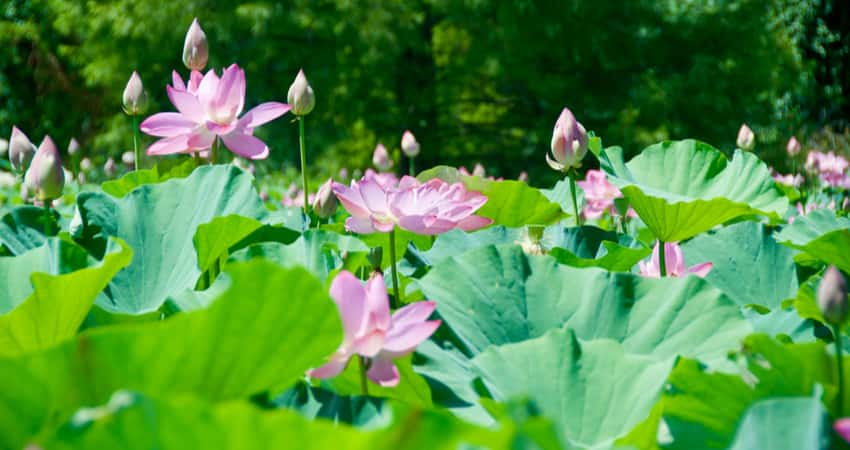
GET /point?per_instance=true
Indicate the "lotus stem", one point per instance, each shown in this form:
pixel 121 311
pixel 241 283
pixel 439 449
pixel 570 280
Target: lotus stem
pixel 662 263
pixel 137 152
pixel 364 384
pixel 572 176
pixel 839 402
pixel 303 145
pixel 397 297
pixel 412 170
pixel 214 152
pixel 47 218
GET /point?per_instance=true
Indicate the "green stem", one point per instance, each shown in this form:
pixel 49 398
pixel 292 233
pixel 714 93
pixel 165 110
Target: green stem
pixel 47 218
pixel 214 152
pixel 839 402
pixel 364 384
pixel 412 170
pixel 137 152
pixel 397 302
pixel 572 177
pixel 303 145
pixel 662 263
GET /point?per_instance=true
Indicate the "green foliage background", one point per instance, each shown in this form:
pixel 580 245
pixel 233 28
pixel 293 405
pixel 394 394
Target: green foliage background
pixel 475 80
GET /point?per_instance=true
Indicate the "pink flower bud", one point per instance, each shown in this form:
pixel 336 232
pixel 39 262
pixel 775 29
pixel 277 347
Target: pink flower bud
pixel 381 158
pixel 195 50
pixel 73 147
pixel 21 150
pixel 793 147
pixel 129 159
pixel 409 145
pixel 46 177
pixel 325 203
pixel 300 96
pixel 109 167
pixel 746 139
pixel 478 170
pixel 134 98
pixel 832 296
pixel 569 143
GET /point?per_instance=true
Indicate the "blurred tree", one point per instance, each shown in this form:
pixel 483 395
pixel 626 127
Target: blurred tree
pixel 474 80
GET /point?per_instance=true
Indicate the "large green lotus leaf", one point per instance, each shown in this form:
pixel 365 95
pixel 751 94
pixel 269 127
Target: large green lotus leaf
pixel 589 246
pixel 214 239
pixel 22 229
pixel 59 300
pixel 497 295
pixel 157 174
pixel 321 252
pixel 158 222
pixel 755 271
pixel 574 384
pixel 702 409
pixel 822 235
pixel 509 203
pixel 680 189
pixel 130 421
pixel 317 402
pixel 795 423
pixel 253 338
pixel 561 194
pixel 455 242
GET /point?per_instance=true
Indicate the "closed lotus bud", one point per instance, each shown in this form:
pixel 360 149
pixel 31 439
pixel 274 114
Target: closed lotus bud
pixel 325 203
pixel 86 164
pixel 381 158
pixel 109 167
pixel 73 147
pixel 129 159
pixel 746 139
pixel 134 98
pixel 300 95
pixel 569 143
pixel 832 296
pixel 195 49
pixel 409 145
pixel 793 147
pixel 21 150
pixel 478 170
pixel 46 178
pixel 523 176
pixel 4 147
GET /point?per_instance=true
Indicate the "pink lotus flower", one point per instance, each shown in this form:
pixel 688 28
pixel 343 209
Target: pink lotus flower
pixel 209 109
pixel 385 179
pixel 569 143
pixel 674 263
pixel 793 146
pixel 832 168
pixel 789 180
pixel 371 332
pixel 423 208
pixel 842 428
pixel 599 194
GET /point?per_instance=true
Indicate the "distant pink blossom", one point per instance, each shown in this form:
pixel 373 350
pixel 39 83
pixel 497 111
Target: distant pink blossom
pixel 369 331
pixel 842 428
pixel 674 262
pixel 427 208
pixel 789 180
pixel 208 109
pixel 599 195
pixel 793 146
pixel 831 168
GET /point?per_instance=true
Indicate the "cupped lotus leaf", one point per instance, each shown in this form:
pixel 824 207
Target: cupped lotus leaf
pixel 158 222
pixel 822 234
pixel 589 246
pixel 497 295
pixel 249 340
pixel 321 252
pixel 64 284
pixel 22 229
pixel 509 203
pixel 794 423
pixel 316 402
pixel 682 188
pixel 574 383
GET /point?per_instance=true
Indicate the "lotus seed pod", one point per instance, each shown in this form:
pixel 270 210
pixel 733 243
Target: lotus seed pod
pixel 46 177
pixel 832 296
pixel 746 139
pixel 325 203
pixel 134 98
pixel 409 145
pixel 300 96
pixel 195 48
pixel 21 150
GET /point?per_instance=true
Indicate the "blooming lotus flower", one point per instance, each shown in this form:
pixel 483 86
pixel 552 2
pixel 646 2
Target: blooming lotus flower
pixel 300 95
pixel 842 428
pixel 409 145
pixel 325 202
pixel 45 176
pixel 599 194
pixel 21 150
pixel 371 332
pixel 793 146
pixel 381 158
pixel 195 48
pixel 569 143
pixel 674 262
pixel 746 139
pixel 385 179
pixel 423 208
pixel 211 112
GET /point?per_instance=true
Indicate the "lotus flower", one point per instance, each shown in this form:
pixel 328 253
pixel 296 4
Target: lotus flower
pixel 21 150
pixel 325 202
pixel 381 158
pixel 746 139
pixel 409 145
pixel 793 146
pixel 832 296
pixel 371 332
pixel 789 180
pixel 842 428
pixel 674 263
pixel 109 167
pixel 195 47
pixel 599 194
pixel 569 143
pixel 209 109
pixel 423 208
pixel 45 177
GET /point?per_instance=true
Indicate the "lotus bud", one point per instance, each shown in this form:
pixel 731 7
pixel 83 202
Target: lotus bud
pixel 4 147
pixel 21 150
pixel 109 167
pixel 300 95
pixel 793 147
pixel 73 147
pixel 129 159
pixel 409 145
pixel 523 176
pixel 569 143
pixel 195 50
pixel 325 203
pixel 343 174
pixel 478 170
pixel 86 164
pixel 46 178
pixel 381 158
pixel 746 138
pixel 134 98
pixel 832 296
